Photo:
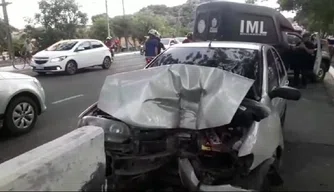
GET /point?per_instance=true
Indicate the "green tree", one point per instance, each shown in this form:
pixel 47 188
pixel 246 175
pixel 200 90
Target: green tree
pixel 99 30
pixel 60 19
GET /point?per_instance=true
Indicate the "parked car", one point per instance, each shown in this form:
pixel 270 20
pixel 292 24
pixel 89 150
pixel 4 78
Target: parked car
pixel 167 42
pixel 22 99
pixel 180 39
pixel 71 55
pixel 253 23
pixel 211 113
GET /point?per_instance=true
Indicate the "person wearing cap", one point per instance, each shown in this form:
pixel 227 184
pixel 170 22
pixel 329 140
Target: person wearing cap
pixel 306 52
pixel 151 45
pixel 189 38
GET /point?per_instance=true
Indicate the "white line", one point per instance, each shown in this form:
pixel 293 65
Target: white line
pixel 66 99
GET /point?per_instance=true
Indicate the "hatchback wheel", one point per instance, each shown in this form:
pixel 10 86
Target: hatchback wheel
pixel 106 63
pixel 71 68
pixel 21 115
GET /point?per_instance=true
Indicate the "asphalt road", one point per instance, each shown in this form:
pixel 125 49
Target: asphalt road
pixel 309 130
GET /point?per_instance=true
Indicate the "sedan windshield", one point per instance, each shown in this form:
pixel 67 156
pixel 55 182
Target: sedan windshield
pixel 62 46
pixel 244 62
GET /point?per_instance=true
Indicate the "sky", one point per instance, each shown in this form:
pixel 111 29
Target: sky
pixel 21 9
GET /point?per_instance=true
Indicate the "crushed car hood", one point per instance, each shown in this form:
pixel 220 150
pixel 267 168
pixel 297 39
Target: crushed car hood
pixel 174 96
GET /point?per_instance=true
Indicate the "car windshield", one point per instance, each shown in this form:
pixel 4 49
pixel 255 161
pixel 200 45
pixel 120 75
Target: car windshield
pixel 62 46
pixel 241 61
pixel 165 41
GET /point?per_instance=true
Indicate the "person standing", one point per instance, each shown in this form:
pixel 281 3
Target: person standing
pixel 151 45
pixel 28 48
pixel 306 50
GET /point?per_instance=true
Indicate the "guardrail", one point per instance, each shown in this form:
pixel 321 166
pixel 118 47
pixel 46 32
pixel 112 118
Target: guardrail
pixel 73 162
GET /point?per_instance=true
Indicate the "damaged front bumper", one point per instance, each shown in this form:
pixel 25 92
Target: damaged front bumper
pixel 191 182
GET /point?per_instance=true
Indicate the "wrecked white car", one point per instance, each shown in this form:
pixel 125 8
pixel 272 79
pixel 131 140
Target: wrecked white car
pixel 203 116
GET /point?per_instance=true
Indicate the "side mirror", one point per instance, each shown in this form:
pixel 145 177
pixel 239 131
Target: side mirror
pixel 79 49
pixel 285 92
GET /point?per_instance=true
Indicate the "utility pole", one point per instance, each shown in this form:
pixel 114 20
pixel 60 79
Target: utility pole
pixel 126 32
pixel 107 15
pixel 8 29
pixel 123 7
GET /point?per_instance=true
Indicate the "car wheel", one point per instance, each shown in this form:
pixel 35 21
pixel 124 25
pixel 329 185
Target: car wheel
pixel 21 115
pixel 321 73
pixel 71 68
pixel 106 63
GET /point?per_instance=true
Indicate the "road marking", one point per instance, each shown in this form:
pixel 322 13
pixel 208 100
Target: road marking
pixel 66 99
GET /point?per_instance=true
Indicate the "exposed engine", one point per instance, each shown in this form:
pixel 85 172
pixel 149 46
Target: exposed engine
pixel 136 156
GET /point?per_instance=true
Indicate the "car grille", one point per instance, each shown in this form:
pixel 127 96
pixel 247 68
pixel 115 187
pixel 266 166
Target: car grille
pixel 40 62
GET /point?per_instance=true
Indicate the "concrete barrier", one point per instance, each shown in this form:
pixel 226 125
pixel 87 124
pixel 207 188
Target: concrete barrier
pixel 73 162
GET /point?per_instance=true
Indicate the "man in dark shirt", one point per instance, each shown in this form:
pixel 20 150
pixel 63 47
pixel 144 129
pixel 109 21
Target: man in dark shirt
pixel 151 45
pixel 305 51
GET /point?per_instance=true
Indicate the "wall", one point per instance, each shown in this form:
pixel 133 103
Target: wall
pixel 73 162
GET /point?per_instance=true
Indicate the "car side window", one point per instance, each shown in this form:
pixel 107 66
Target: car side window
pixel 85 45
pixel 273 77
pixel 279 64
pixel 96 44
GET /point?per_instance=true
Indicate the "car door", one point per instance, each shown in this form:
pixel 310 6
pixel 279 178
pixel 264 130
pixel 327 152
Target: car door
pixel 283 78
pixel 97 52
pixel 83 57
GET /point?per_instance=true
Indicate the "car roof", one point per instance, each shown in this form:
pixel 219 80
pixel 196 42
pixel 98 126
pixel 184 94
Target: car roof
pixel 223 44
pixel 81 40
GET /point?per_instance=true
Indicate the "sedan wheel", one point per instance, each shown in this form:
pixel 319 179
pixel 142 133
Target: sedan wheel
pixel 71 68
pixel 21 115
pixel 106 63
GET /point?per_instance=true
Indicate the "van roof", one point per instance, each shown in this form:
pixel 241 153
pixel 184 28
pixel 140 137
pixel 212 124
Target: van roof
pixel 247 8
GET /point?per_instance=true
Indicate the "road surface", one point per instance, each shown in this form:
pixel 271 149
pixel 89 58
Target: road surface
pixel 309 130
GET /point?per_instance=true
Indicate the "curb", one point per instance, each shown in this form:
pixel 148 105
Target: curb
pixel 331 71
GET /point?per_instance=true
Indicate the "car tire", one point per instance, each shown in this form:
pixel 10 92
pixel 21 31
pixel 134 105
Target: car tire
pixel 71 67
pixel 106 63
pixel 20 108
pixel 318 78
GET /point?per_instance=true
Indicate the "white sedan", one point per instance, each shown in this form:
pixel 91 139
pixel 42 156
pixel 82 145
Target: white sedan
pixel 70 55
pixel 22 99
pixel 167 42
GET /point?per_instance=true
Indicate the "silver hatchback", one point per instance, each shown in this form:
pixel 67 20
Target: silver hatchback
pixel 22 99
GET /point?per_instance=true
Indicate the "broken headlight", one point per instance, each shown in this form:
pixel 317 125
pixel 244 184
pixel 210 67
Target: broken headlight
pixel 117 132
pixel 114 131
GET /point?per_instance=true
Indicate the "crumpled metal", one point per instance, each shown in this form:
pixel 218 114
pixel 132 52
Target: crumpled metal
pixel 174 96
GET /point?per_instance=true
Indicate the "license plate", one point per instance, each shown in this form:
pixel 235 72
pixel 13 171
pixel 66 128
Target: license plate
pixel 39 67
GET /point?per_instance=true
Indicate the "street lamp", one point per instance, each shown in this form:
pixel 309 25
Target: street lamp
pixel 107 17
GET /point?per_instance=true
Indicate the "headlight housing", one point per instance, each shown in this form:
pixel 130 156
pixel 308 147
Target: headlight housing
pixel 58 59
pixel 114 131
